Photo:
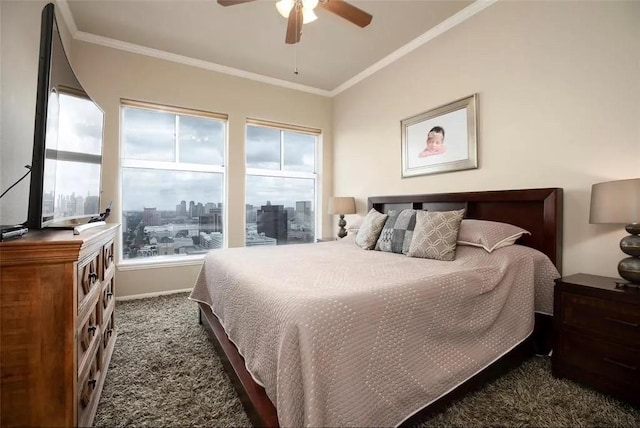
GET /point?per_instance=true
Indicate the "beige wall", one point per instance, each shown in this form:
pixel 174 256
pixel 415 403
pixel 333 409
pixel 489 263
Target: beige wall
pixel 558 85
pixel 108 75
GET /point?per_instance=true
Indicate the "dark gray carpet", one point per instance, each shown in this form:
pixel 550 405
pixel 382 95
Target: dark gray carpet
pixel 164 373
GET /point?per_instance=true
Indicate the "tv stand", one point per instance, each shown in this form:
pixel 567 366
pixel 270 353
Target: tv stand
pixel 77 230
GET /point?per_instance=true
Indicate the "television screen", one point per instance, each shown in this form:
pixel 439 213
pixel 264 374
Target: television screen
pixel 67 152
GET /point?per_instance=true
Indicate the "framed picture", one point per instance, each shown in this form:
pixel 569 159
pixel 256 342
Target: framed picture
pixel 440 140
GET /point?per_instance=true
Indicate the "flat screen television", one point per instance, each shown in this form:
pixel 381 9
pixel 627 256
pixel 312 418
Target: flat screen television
pixel 66 162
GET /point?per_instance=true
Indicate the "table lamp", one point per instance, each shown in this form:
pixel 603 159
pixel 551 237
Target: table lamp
pixel 618 202
pixel 342 205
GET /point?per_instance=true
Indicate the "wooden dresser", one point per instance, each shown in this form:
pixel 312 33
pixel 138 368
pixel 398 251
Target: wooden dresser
pixel 597 334
pixel 57 326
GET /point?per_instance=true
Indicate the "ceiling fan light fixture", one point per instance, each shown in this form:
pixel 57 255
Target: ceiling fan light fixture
pixel 308 15
pixel 309 4
pixel 284 7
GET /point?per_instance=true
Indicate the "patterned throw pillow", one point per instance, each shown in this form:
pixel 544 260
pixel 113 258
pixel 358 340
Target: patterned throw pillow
pixel 435 234
pixel 489 235
pixel 370 230
pixel 397 231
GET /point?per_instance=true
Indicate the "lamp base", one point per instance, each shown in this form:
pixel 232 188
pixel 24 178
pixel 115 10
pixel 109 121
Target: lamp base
pixel 342 232
pixel 625 285
pixel 629 268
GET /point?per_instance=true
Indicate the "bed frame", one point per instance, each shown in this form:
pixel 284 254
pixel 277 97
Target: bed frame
pixel 537 210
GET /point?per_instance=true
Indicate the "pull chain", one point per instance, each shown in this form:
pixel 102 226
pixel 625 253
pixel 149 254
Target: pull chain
pixel 295 46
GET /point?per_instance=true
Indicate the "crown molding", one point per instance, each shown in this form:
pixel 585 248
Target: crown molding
pixel 434 32
pixel 431 34
pixel 67 17
pixel 181 59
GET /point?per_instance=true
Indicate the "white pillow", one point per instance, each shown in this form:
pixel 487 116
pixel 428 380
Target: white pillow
pixel 489 235
pixel 354 226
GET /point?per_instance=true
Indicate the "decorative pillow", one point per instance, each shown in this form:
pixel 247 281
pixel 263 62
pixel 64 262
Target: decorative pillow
pixel 489 235
pixel 436 234
pixel 397 231
pixel 370 229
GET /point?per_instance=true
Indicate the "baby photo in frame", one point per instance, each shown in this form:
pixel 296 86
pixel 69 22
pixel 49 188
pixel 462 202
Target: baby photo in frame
pixel 440 140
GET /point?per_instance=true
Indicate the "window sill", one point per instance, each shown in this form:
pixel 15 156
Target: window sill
pixel 160 262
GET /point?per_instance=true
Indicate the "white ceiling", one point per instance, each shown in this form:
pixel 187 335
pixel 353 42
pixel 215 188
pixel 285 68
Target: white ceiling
pixel 248 39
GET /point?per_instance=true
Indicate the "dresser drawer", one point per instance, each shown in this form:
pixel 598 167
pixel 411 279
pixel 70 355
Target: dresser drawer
pixel 615 321
pixel 108 296
pixel 620 364
pixel 89 335
pixel 88 277
pixel 108 335
pixel 89 384
pixel 108 265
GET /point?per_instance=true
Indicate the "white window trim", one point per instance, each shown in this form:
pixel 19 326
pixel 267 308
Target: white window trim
pixel 282 173
pixel 174 260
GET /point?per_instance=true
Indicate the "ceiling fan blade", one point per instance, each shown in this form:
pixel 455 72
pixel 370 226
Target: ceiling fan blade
pixel 347 11
pixel 294 25
pixel 232 2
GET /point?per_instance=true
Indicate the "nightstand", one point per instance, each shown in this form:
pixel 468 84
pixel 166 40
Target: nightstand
pixel 597 334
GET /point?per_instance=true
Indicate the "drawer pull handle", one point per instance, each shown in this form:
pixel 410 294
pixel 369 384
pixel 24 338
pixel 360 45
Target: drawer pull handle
pixel 618 363
pixel 630 324
pixel 93 276
pixel 109 294
pixel 110 332
pixel 92 330
pixel 92 383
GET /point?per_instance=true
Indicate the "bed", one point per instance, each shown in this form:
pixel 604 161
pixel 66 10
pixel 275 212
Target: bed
pixel 330 333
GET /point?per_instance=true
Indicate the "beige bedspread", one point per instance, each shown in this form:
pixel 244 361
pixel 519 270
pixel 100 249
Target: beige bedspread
pixel 340 336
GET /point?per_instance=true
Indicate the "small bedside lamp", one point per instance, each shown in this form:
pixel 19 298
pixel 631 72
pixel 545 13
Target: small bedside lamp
pixel 618 202
pixel 342 205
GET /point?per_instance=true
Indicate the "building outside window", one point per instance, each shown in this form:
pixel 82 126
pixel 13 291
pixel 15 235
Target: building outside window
pixel 281 184
pixel 172 181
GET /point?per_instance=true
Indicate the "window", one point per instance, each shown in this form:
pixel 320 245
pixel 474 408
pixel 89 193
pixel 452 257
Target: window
pixel 281 184
pixel 172 181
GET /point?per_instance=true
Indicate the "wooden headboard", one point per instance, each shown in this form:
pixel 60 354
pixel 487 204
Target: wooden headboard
pixel 537 210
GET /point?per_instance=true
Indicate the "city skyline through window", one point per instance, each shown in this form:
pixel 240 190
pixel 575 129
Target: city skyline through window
pixel 172 181
pixel 280 185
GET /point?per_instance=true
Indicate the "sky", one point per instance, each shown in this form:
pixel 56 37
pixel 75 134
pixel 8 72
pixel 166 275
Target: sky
pixel 149 135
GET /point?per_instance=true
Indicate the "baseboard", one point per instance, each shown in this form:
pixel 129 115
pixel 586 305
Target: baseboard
pixel 156 294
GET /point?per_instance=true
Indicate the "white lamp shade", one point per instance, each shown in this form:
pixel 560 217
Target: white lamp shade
pixel 308 15
pixel 284 7
pixel 616 202
pixel 342 205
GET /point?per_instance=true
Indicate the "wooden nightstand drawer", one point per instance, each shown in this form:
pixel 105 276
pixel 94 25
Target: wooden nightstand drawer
pixel 621 364
pixel 596 335
pixel 618 322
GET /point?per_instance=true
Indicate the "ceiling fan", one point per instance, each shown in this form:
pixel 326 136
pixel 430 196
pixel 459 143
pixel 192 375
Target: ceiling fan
pixel 300 12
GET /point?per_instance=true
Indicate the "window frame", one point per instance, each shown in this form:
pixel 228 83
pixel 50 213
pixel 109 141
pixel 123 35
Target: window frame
pixel 176 165
pixel 263 172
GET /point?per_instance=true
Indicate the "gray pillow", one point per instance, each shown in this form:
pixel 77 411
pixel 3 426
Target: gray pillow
pixel 397 231
pixel 370 230
pixel 435 234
